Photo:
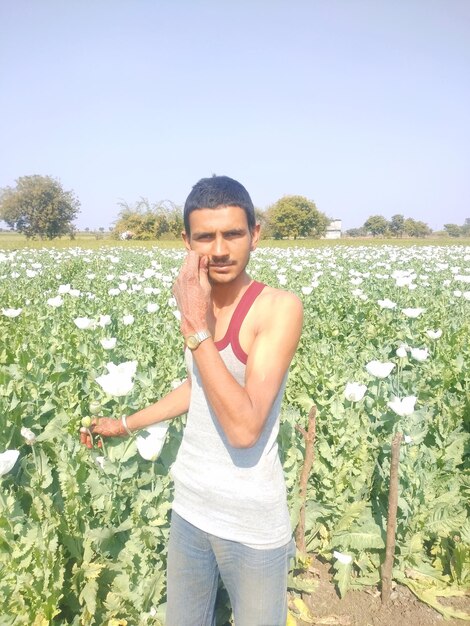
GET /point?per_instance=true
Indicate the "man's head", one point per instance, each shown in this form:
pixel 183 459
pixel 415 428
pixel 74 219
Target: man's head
pixel 219 191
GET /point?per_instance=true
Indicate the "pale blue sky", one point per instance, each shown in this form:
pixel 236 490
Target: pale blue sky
pixel 362 106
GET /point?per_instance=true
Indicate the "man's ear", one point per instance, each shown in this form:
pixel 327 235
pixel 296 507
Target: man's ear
pixel 186 240
pixel 255 235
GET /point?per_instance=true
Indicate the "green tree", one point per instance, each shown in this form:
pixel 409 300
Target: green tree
pixel 415 228
pixel 147 220
pixel 356 232
pixel 296 216
pixel 397 225
pixel 453 230
pixel 376 225
pixel 39 207
pixel 263 221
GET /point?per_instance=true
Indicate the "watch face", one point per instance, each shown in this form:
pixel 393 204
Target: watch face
pixel 192 342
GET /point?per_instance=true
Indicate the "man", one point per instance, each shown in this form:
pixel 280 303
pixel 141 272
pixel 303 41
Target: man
pixel 230 514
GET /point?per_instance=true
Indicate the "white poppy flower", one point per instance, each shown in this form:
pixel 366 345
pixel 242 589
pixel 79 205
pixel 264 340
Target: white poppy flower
pixel 419 354
pixel 28 434
pixel 152 307
pixel 55 302
pixel 403 281
pixel 307 290
pixel 75 293
pixel 11 312
pixel 379 369
pixel 457 293
pixel 354 392
pixel 434 334
pixel 401 352
pixel 177 314
pixel 8 460
pixel 64 288
pixel 344 559
pixel 122 286
pixel 386 304
pixel 113 292
pixel 31 273
pixel 99 460
pixel 109 343
pixel 408 439
pixel 119 380
pixel 148 273
pixel 127 320
pixel 413 313
pixel 282 278
pixel 466 295
pixel 404 406
pixel 149 447
pixel 84 323
pixel 104 320
pixel 127 368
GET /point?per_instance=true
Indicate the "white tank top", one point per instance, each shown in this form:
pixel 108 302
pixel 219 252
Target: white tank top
pixel 233 493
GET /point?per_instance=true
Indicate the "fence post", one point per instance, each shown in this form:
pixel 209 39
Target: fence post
pixel 309 436
pixel 387 565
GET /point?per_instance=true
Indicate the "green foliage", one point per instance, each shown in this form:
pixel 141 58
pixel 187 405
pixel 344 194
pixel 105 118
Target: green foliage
pixel 415 228
pixel 85 542
pixel 397 225
pixel 39 207
pixel 376 225
pixel 453 230
pixel 296 216
pixel 147 221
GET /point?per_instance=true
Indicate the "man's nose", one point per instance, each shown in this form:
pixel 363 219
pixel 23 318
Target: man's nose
pixel 219 248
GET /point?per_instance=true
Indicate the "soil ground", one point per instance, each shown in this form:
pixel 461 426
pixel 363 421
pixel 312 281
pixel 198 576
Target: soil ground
pixel 364 608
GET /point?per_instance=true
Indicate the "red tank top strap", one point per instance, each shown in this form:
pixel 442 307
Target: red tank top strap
pixel 242 308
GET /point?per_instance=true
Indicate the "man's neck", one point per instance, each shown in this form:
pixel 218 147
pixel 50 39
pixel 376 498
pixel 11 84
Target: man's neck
pixel 224 295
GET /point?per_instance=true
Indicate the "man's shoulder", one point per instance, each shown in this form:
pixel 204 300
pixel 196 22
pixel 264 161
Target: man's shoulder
pixel 279 303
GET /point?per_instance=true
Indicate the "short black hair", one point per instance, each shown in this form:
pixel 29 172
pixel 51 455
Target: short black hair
pixel 218 191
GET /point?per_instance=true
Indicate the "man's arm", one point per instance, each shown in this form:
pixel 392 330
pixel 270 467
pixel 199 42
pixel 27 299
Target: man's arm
pixel 175 403
pixel 172 405
pixel 242 410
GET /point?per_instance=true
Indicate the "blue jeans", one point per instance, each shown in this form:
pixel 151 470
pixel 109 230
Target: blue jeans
pixel 256 580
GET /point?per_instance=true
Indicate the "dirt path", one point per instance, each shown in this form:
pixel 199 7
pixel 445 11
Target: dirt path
pixel 364 608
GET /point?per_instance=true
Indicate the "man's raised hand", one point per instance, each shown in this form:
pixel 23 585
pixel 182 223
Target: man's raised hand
pixel 192 292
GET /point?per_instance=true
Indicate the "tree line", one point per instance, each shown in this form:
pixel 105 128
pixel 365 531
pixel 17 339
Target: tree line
pixel 38 206
pixel 399 226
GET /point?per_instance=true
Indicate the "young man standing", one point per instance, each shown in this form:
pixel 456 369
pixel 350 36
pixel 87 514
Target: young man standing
pixel 230 514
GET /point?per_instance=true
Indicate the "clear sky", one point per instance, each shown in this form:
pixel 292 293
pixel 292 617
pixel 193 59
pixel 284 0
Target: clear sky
pixel 361 105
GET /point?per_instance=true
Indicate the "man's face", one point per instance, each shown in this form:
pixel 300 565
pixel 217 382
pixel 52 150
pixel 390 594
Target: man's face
pixel 222 234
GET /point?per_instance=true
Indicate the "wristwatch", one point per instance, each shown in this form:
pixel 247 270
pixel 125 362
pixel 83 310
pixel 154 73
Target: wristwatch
pixel 193 341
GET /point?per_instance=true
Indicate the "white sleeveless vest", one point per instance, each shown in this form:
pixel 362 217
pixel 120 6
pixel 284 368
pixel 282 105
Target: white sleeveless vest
pixel 237 494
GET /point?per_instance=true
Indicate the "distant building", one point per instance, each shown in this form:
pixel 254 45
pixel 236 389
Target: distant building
pixel 333 230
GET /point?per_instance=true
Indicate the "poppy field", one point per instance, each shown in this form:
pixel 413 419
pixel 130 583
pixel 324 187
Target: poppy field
pixel 385 349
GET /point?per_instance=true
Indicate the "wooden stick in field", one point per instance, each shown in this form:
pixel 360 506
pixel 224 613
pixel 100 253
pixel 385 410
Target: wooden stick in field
pixel 387 565
pixel 309 436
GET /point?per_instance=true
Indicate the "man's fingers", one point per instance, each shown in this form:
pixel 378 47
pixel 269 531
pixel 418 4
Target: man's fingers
pixel 192 261
pixel 204 272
